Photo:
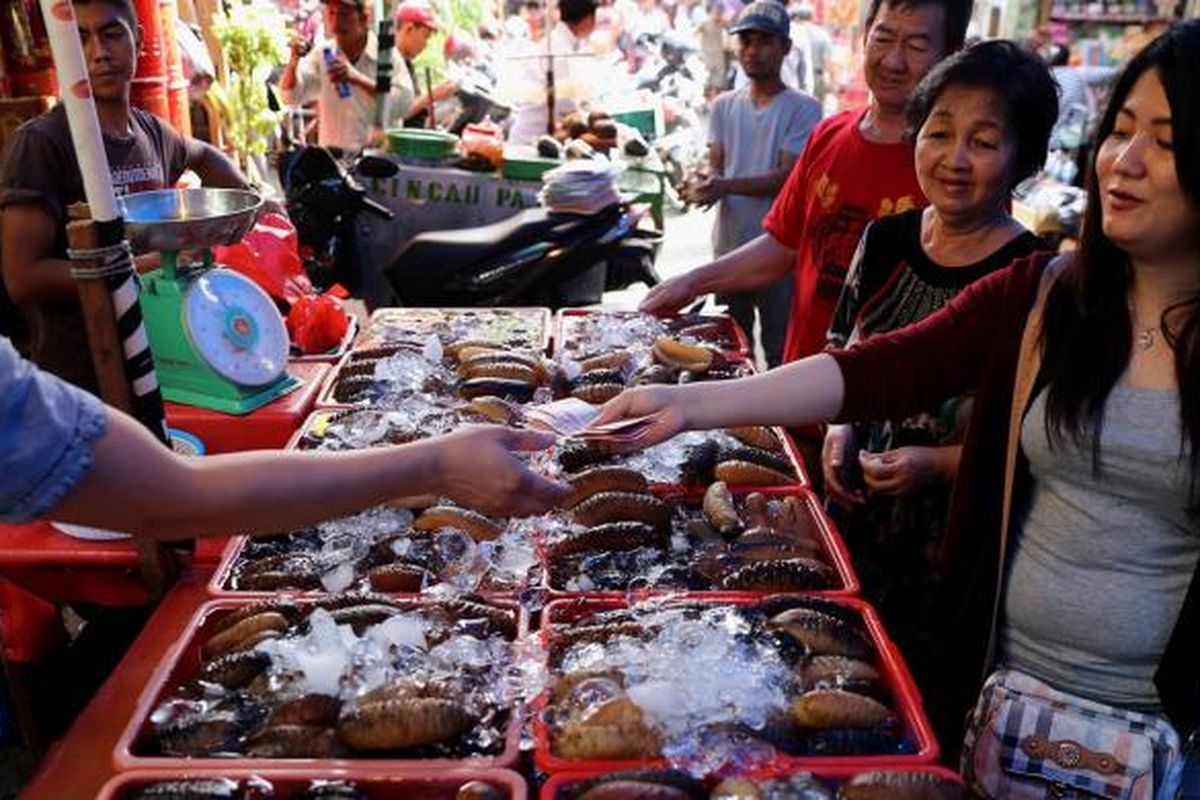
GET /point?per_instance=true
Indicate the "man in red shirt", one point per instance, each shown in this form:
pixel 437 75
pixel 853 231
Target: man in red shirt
pixel 856 167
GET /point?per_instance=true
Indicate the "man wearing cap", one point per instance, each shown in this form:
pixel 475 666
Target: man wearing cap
pixel 755 134
pixel 415 22
pixel 340 75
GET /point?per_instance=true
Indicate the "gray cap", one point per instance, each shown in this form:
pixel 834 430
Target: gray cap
pixel 763 15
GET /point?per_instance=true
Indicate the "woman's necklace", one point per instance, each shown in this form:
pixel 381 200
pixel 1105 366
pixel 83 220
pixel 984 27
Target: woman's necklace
pixel 1146 337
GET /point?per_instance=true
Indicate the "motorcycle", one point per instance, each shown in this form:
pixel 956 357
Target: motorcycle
pixel 324 200
pixel 537 257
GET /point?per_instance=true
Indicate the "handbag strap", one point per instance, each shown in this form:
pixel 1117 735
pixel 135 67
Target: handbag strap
pixel 1029 361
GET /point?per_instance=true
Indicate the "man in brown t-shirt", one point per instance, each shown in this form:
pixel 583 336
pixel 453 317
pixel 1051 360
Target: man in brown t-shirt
pixel 40 177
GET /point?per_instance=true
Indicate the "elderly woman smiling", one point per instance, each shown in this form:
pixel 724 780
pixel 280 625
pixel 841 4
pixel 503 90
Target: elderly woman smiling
pixel 980 121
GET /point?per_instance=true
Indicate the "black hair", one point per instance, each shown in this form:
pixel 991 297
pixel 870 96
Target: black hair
pixel 958 15
pixel 124 8
pixel 1087 333
pixel 572 11
pixel 1016 77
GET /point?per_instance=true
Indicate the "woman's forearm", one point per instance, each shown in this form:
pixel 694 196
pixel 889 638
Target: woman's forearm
pixel 804 392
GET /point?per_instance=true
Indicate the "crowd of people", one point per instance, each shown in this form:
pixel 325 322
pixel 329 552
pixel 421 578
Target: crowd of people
pixel 1010 438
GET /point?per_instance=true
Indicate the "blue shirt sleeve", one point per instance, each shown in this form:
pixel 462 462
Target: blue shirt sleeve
pixel 47 428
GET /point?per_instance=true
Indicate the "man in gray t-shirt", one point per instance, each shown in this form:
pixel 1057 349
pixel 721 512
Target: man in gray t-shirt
pixel 755 134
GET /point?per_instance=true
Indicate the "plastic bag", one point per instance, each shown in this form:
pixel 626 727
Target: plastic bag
pixel 317 323
pixel 269 255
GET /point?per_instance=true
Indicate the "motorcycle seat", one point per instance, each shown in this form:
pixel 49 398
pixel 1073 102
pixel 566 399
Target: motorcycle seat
pixel 468 245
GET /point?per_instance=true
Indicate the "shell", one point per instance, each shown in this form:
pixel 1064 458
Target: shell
pixel 361 617
pixel 503 370
pixel 764 544
pixel 597 393
pixel 744 473
pixel 634 789
pixel 623 506
pixel 884 785
pixel 496 409
pixel 609 536
pixel 838 672
pixel 758 436
pixel 604 479
pixel 215 789
pixel 719 509
pixel 400 722
pixel 616 730
pixel 320 710
pixel 479 790
pixel 215 732
pixel 397 578
pixel 674 353
pixel 577 456
pixel 783 575
pixel 479 527
pixel 518 391
pixel 235 670
pixel 352 388
pixel 736 789
pixel 756 455
pixel 822 634
pixel 836 708
pixel 293 741
pixel 480 358
pixel 237 635
pixel 619 360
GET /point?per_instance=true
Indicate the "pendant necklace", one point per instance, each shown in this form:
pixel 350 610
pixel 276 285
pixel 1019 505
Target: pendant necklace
pixel 1145 338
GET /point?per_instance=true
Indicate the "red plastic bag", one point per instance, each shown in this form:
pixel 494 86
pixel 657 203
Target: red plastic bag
pixel 269 256
pixel 317 323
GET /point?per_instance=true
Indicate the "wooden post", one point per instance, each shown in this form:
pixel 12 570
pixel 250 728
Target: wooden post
pixel 154 566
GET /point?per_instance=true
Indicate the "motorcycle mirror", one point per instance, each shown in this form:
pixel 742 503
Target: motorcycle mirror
pixel 376 167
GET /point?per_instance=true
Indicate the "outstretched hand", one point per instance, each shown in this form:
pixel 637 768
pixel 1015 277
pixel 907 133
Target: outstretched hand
pixel 669 296
pixel 659 403
pixel 477 468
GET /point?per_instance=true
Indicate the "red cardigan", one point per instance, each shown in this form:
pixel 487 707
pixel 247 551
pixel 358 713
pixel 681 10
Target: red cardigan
pixel 973 343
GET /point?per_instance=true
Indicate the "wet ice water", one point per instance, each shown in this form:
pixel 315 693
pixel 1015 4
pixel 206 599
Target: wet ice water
pixel 664 462
pixel 698 679
pixel 600 332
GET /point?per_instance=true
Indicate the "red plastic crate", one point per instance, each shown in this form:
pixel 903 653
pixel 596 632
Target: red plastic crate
pixel 538 321
pixel 554 789
pixel 906 700
pixel 741 343
pixel 439 785
pixel 182 660
pixel 836 554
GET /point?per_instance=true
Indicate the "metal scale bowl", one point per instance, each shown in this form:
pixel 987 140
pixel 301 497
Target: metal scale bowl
pixel 218 340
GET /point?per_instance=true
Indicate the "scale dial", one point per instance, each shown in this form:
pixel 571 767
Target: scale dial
pixel 235 328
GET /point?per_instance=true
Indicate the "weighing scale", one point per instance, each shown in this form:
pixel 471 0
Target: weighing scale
pixel 218 340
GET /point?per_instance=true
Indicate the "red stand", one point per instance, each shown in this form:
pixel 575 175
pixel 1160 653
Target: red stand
pixel 82 761
pixel 268 428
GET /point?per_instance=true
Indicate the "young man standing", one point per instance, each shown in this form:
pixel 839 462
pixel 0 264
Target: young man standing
pixel 40 178
pixel 340 75
pixel 755 134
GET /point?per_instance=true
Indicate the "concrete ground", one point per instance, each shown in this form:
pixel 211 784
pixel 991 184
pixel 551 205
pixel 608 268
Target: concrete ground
pixel 687 243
